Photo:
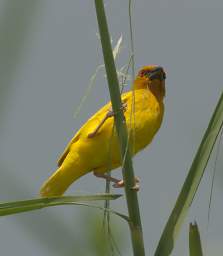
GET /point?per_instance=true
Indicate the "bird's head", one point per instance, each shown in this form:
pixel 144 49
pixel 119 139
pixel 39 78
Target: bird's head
pixel 151 77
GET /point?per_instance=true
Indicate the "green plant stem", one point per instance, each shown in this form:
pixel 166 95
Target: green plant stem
pixel 121 128
pixel 191 183
pixel 195 240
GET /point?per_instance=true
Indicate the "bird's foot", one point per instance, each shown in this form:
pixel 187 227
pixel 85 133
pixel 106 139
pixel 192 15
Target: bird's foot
pixel 116 182
pixel 121 184
pixel 106 177
pixel 109 114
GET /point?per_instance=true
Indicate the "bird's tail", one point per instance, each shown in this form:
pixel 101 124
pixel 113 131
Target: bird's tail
pixel 59 182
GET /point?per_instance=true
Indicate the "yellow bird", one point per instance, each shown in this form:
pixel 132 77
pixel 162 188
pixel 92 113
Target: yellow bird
pixel 95 146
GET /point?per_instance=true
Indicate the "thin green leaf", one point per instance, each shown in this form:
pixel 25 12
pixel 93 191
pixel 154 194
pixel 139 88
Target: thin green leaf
pixel 106 209
pixel 87 91
pixel 117 48
pixel 195 240
pixel 116 52
pixel 39 203
pixel 191 183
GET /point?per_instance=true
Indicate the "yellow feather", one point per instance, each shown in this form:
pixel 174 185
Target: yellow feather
pixel 101 151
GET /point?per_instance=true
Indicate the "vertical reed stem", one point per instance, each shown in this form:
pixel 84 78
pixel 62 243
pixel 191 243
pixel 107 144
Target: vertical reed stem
pixel 127 170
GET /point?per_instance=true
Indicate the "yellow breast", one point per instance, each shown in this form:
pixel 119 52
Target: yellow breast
pixel 146 118
pixel 143 116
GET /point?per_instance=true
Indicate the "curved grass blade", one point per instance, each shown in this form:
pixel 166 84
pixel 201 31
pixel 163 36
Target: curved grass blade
pixel 123 216
pixel 191 183
pixel 117 48
pixel 87 91
pixel 116 52
pixel 195 240
pixel 39 203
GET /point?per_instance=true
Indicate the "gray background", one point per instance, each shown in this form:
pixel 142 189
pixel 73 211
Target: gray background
pixel 49 50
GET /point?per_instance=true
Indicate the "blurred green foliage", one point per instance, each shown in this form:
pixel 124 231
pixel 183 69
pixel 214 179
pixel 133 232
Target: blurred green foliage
pixel 97 238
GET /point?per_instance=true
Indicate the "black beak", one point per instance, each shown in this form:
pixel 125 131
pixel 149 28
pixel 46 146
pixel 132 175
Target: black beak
pixel 157 73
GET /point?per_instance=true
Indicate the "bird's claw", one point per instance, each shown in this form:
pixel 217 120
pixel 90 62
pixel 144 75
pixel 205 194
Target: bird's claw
pixel 121 184
pixel 111 113
pixel 136 187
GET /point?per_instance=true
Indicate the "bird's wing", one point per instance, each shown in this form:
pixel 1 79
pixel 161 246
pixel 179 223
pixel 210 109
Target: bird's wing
pixel 67 149
pixel 90 124
pixel 93 119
